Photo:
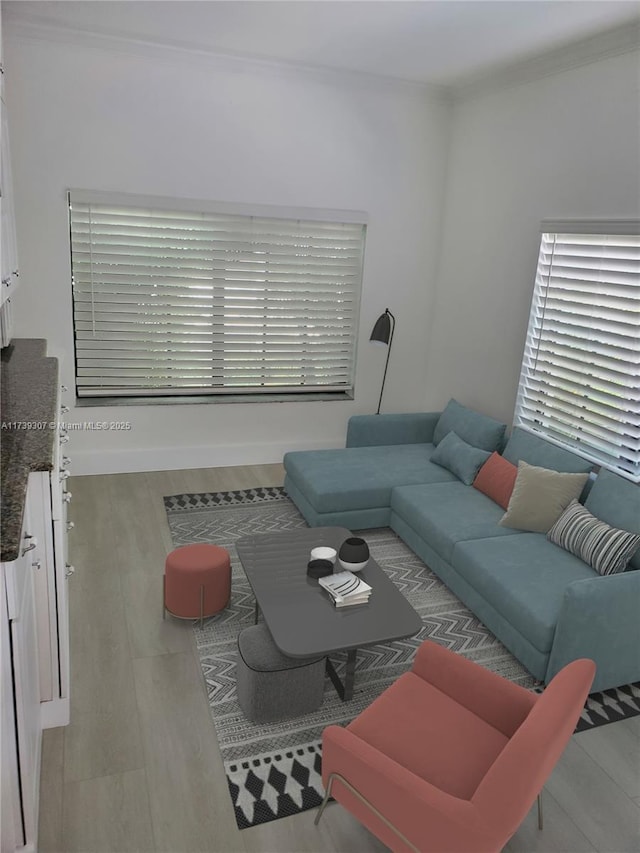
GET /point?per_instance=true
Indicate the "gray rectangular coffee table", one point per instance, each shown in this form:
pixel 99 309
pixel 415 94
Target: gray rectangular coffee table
pixel 302 620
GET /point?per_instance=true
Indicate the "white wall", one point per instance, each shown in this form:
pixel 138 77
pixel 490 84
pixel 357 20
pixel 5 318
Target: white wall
pixel 97 119
pixel 565 146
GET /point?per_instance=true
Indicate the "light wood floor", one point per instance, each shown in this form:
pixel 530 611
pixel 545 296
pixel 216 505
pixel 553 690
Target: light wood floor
pixel 138 768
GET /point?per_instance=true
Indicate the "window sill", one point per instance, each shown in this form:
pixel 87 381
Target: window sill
pixel 182 400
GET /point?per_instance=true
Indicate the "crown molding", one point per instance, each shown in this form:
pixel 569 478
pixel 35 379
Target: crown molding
pixel 608 43
pixel 206 60
pixel 616 41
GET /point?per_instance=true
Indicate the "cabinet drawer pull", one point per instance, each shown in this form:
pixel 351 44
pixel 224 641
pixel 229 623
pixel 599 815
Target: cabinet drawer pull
pixel 67 497
pixel 64 438
pixel 69 570
pixel 64 475
pixel 63 388
pixel 66 461
pixel 37 564
pixel 30 547
pixel 70 525
pixel 64 409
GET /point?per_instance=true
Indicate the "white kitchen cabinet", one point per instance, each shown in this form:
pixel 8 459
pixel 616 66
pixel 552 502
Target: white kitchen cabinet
pixel 49 513
pixel 11 828
pixel 21 689
pixel 34 629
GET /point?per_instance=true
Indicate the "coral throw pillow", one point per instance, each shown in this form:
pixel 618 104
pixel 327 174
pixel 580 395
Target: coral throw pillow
pixel 496 479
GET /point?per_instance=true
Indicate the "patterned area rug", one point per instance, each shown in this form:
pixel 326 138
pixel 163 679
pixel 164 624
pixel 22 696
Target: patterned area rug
pixel 273 770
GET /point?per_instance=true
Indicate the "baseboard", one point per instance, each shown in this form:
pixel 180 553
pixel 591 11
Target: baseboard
pixel 135 460
pixel 55 713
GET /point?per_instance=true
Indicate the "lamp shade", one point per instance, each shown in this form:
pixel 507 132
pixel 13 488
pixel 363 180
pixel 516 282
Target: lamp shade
pixel 382 329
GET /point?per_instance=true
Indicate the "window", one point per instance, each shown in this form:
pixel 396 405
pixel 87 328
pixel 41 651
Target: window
pixel 178 298
pixel 580 379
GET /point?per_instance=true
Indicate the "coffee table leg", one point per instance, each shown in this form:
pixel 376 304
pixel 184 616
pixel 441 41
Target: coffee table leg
pixel 344 689
pixel 350 674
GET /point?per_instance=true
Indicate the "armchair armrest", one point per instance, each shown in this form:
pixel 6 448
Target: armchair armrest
pixel 422 812
pixel 501 703
pixel 409 428
pixel 599 620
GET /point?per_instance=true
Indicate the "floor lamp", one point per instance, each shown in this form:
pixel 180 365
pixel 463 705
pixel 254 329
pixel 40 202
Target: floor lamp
pixel 383 334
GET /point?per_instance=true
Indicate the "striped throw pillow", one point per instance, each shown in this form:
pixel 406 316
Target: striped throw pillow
pixel 606 549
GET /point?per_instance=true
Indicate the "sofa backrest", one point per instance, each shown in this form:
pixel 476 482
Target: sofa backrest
pixel 476 429
pixel 537 451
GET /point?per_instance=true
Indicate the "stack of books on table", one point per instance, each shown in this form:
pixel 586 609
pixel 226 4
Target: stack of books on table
pixel 346 589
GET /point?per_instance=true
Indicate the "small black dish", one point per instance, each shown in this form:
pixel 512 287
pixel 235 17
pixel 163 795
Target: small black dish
pixel 319 568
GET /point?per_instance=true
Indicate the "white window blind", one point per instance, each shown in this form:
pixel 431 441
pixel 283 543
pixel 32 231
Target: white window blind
pixel 181 301
pixel 580 379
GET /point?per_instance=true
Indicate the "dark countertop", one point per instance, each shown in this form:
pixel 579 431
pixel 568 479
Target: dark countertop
pixel 29 405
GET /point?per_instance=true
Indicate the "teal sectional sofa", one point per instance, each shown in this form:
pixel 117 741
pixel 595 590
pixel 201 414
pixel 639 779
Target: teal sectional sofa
pixel 546 605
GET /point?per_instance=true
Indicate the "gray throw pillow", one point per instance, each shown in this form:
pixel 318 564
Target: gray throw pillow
pixel 460 458
pixel 476 429
pixel 606 549
pixel 540 496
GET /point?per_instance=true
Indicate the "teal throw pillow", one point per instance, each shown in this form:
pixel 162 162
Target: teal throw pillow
pixel 472 427
pixel 462 459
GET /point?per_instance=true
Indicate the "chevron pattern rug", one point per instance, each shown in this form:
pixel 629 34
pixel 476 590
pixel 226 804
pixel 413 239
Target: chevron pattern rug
pixel 273 770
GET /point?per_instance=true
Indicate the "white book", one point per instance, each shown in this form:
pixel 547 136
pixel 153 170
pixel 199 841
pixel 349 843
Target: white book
pixel 352 600
pixel 344 586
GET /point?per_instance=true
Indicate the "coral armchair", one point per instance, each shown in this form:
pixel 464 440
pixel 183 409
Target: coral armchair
pixel 451 757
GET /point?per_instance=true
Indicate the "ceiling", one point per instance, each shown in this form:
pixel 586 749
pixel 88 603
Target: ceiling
pixel 439 42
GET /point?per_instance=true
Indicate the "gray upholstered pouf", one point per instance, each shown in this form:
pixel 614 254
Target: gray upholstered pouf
pixel 272 686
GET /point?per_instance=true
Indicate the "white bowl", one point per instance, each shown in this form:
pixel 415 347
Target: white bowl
pixel 324 553
pixel 352 567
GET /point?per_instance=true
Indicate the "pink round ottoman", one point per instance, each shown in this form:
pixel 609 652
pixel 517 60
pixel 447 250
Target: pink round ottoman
pixel 197 581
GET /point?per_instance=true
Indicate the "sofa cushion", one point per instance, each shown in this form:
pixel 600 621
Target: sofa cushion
pixel 540 496
pixel 360 477
pixel 476 429
pixel 606 549
pixel 496 479
pixel 445 513
pixel 462 459
pixel 616 501
pixel 524 577
pixel 536 451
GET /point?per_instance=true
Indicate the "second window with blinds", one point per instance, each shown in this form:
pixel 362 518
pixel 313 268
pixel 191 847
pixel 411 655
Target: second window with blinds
pixel 580 379
pixel 183 299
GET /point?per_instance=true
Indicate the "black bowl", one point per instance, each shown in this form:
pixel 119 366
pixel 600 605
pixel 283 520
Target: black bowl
pixel 319 568
pixel 353 550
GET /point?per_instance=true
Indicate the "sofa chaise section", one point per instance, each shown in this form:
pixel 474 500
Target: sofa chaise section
pixel 351 487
